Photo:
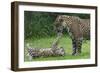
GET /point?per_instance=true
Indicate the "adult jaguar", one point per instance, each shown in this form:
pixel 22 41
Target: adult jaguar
pixel 77 29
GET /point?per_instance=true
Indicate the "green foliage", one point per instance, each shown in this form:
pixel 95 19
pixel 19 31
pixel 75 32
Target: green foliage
pixel 40 24
pixel 83 16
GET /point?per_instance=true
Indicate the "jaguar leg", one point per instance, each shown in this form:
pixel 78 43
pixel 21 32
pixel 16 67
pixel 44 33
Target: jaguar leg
pixel 79 46
pixel 74 47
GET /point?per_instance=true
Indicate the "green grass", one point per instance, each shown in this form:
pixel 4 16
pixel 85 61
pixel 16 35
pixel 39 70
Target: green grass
pixel 65 42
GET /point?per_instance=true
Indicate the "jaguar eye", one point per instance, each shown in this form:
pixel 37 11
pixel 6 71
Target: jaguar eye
pixel 61 20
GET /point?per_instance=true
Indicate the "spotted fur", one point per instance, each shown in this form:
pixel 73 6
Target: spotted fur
pixel 76 27
pixel 45 52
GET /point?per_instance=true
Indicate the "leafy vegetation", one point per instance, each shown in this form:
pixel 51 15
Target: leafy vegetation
pixel 40 24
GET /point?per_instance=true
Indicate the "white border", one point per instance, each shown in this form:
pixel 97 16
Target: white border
pixel 23 64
